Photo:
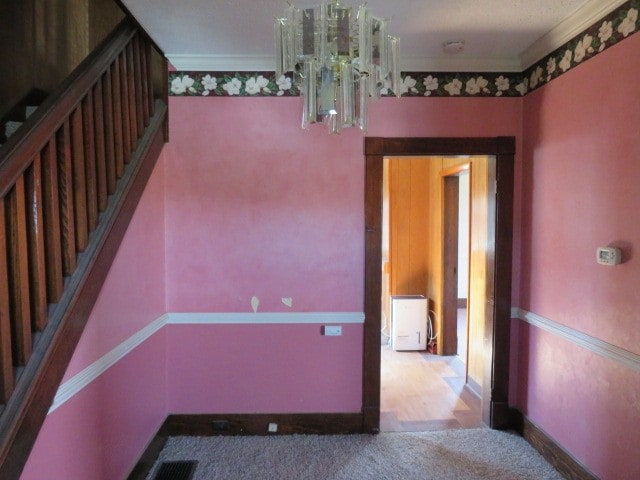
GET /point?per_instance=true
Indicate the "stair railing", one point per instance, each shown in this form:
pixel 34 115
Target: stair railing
pixel 58 177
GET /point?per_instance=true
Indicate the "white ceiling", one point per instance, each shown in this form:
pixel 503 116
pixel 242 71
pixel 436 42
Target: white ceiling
pixel 499 35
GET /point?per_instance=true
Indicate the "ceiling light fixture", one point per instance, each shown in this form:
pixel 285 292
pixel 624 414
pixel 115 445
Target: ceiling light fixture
pixel 339 56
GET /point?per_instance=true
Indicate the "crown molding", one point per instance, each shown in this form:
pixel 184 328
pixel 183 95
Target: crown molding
pixel 566 30
pixel 259 63
pixel 222 63
pixel 460 64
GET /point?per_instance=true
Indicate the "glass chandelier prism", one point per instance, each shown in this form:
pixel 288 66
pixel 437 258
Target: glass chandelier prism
pixel 339 56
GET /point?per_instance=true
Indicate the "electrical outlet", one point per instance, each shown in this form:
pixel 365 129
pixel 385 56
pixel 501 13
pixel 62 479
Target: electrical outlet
pixel 332 330
pixel 220 425
pixel 273 428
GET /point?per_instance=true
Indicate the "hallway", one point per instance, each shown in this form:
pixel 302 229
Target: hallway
pixel 422 391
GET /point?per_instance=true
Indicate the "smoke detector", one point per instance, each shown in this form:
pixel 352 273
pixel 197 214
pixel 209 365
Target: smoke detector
pixel 453 46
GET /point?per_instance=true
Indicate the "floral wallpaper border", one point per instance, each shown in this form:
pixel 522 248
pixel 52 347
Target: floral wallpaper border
pixel 615 27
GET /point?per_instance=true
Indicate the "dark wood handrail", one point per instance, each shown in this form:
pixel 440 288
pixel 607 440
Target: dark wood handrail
pixel 18 150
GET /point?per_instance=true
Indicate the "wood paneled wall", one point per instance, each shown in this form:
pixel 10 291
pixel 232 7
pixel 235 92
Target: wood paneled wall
pixel 416 240
pixel 44 40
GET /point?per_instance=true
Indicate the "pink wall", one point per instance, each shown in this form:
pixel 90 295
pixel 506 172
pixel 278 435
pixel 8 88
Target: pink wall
pixel 102 430
pixel 258 206
pixel 581 191
pixel 133 294
pixel 263 368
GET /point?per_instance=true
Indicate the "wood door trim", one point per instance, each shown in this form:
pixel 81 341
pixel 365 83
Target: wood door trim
pixel 457 170
pixel 495 410
pixel 450 216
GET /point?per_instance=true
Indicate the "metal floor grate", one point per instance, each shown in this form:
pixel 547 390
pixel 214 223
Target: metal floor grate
pixel 176 470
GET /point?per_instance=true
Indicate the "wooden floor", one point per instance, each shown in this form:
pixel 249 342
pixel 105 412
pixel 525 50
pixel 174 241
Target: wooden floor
pixel 421 391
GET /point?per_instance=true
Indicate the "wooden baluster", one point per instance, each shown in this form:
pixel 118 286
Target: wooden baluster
pixel 18 273
pixel 53 247
pixel 99 137
pixel 89 150
pixel 149 63
pixel 109 138
pixel 65 188
pixel 118 135
pixel 138 79
pixel 144 79
pixel 133 122
pixel 79 181
pixel 35 235
pixel 6 360
pixel 125 118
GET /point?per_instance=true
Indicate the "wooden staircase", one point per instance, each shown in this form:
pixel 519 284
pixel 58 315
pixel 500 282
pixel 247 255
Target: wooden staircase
pixel 71 176
pixel 19 114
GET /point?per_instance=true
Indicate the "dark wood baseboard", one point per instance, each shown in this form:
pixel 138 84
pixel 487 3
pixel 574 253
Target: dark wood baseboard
pixel 553 452
pixel 244 424
pixel 149 457
pixel 258 424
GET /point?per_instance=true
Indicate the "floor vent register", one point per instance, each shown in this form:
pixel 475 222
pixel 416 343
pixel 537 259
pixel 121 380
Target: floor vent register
pixel 176 471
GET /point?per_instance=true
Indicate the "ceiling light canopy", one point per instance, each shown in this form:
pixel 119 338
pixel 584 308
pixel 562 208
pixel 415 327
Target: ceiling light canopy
pixel 339 56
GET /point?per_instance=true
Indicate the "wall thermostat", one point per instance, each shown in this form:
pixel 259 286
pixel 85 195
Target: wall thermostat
pixel 608 256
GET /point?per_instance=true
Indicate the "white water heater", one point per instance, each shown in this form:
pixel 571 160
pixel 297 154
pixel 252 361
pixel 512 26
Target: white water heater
pixel 409 322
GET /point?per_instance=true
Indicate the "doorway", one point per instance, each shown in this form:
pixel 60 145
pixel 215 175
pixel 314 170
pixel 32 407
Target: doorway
pixel 426 214
pixel 497 296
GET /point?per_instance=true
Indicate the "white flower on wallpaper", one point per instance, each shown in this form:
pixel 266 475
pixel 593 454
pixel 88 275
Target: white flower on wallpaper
pixel 536 75
pixel 209 82
pixel 523 87
pixel 454 87
pixel 628 25
pixel 565 63
pixel 386 88
pixel 255 84
pixel 430 84
pixel 551 67
pixel 604 33
pixel 582 48
pixel 502 84
pixel 180 85
pixel 476 85
pixel 284 83
pixel 233 86
pixel 408 84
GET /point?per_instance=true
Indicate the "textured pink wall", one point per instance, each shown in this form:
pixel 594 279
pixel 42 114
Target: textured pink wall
pixel 257 206
pixel 133 294
pixel 581 191
pixel 263 368
pixel 102 430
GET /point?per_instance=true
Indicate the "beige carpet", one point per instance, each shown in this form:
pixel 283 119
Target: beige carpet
pixel 451 454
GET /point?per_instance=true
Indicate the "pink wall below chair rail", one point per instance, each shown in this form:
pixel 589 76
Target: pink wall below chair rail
pixel 263 369
pixel 102 431
pixel 581 191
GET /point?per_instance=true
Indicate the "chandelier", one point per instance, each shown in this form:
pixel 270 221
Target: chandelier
pixel 339 56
